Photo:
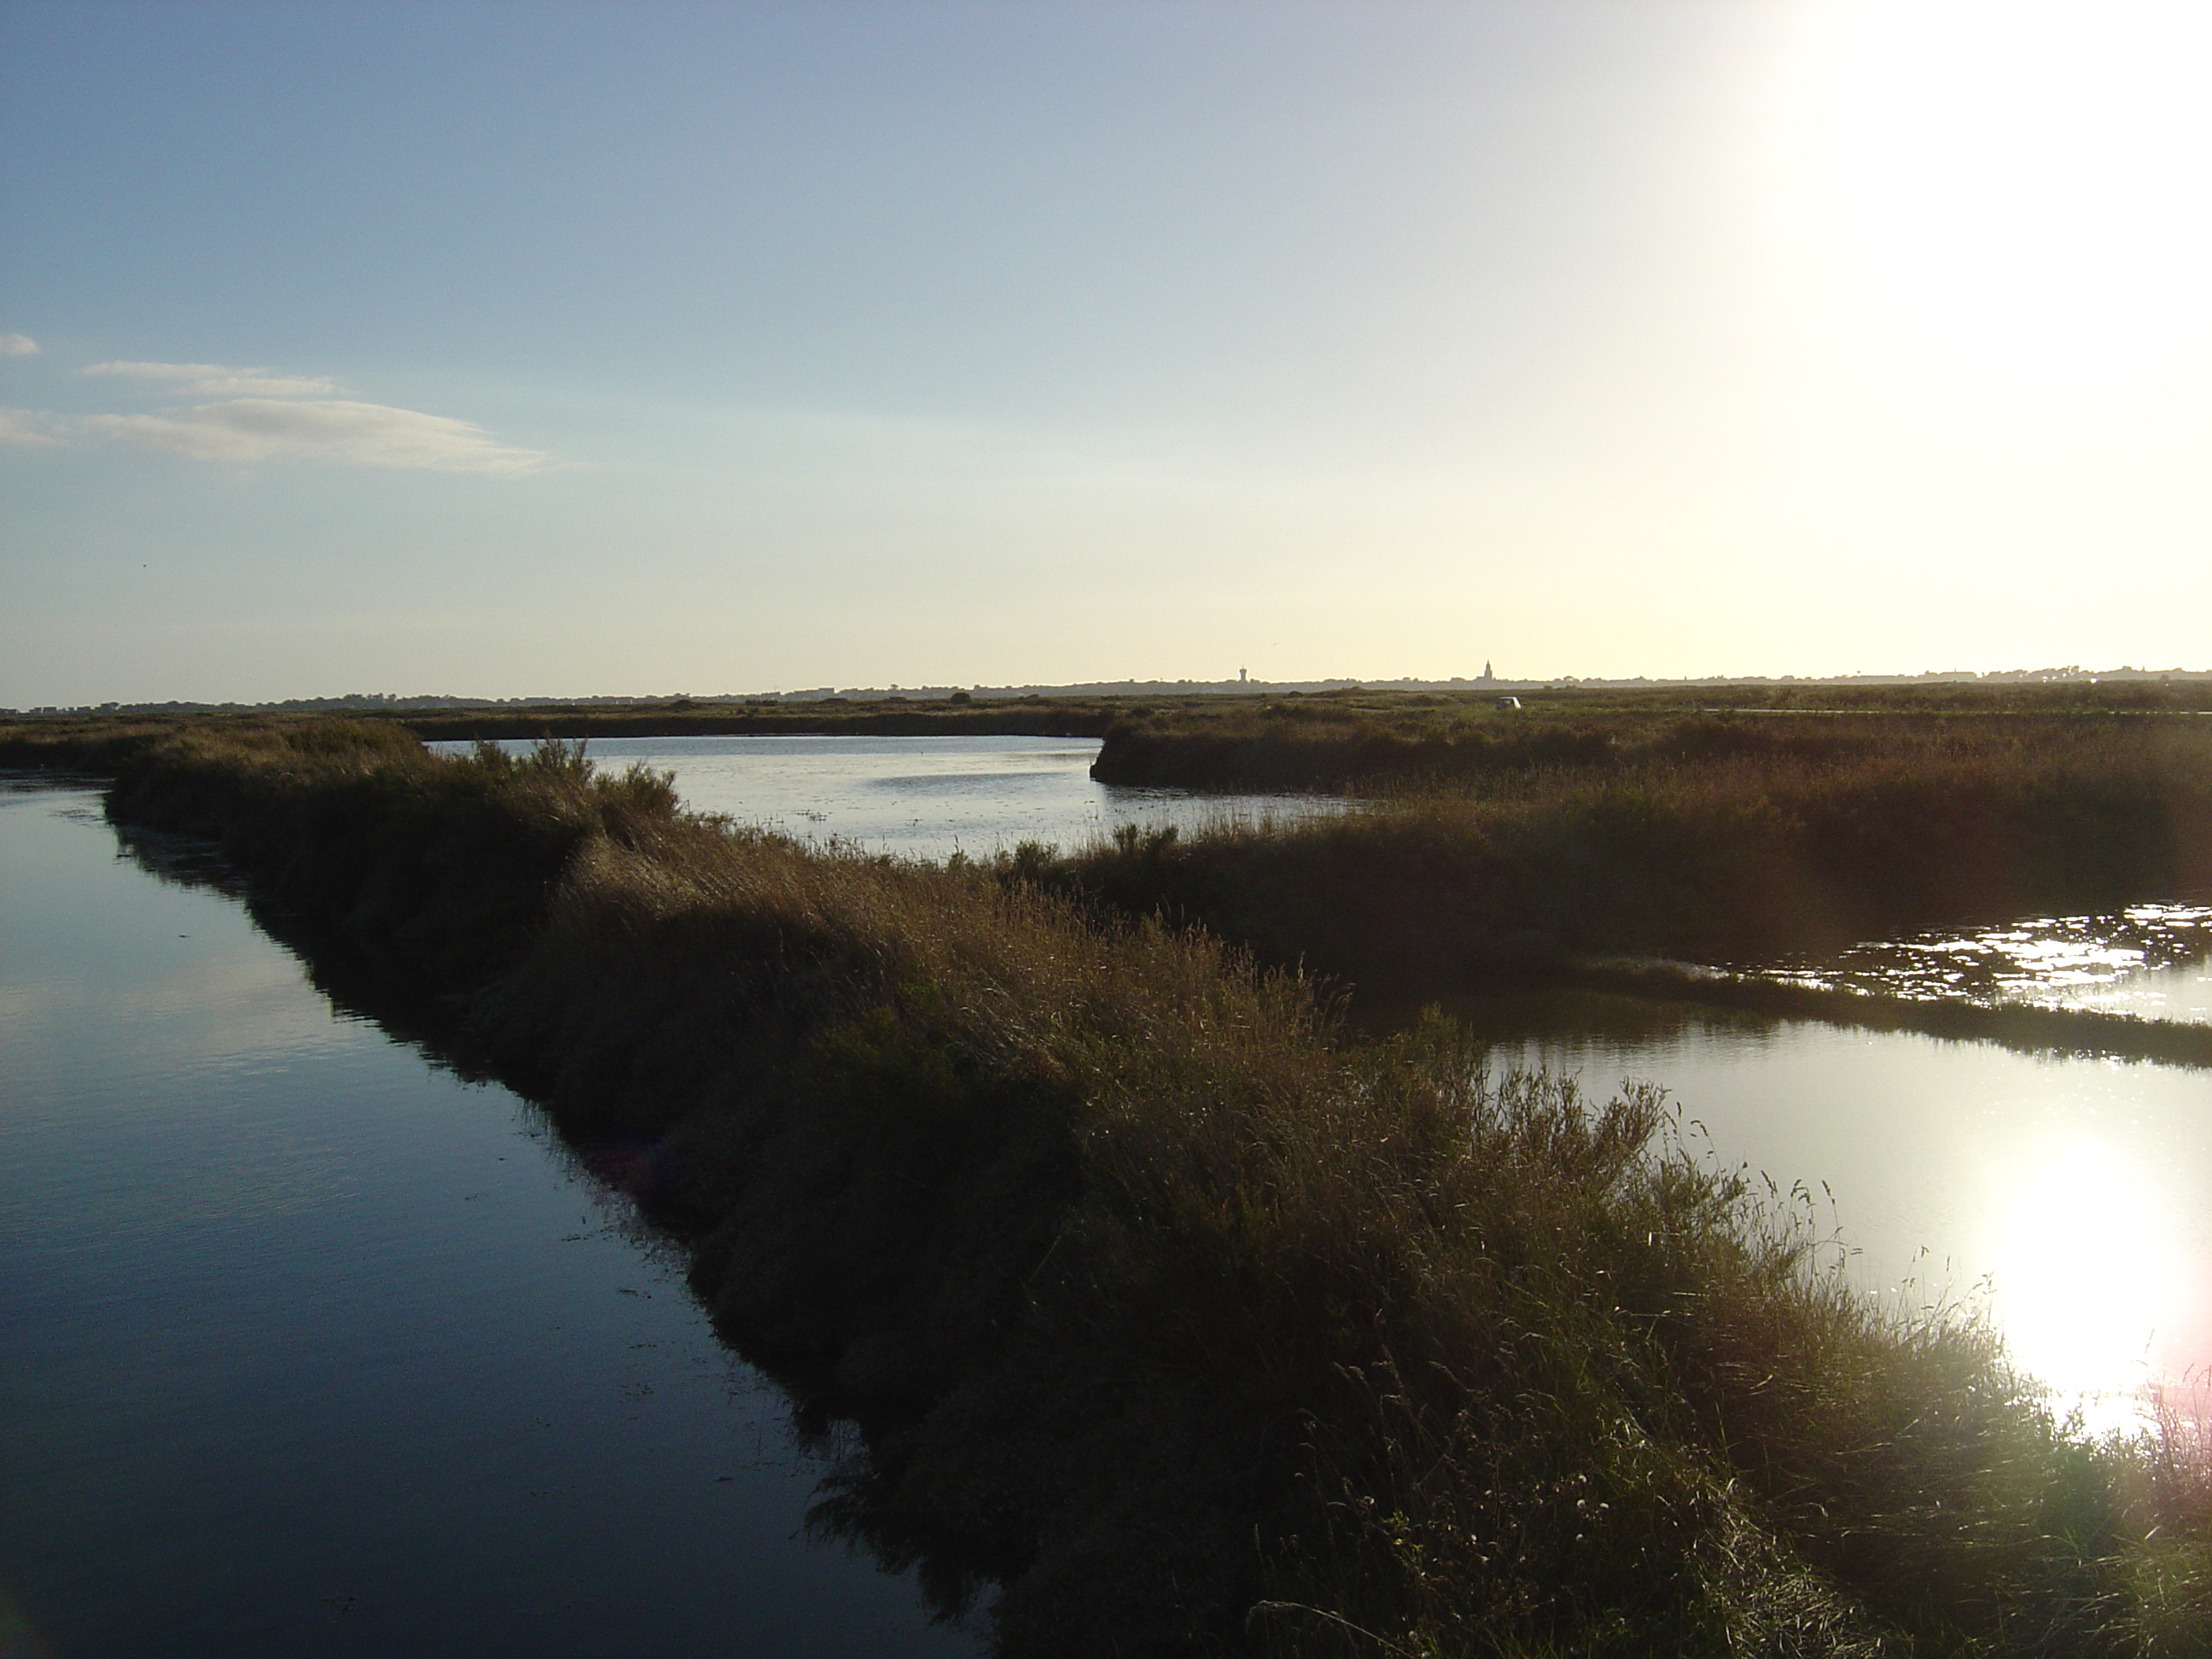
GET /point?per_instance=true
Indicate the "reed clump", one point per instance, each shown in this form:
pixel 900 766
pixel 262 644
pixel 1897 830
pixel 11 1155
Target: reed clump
pixel 1178 1319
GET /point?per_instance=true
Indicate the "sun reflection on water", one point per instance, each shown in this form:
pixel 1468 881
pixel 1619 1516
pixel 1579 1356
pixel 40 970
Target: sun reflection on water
pixel 2136 960
pixel 2086 1284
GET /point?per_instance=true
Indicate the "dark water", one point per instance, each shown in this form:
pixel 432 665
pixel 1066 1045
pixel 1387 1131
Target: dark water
pixel 311 1348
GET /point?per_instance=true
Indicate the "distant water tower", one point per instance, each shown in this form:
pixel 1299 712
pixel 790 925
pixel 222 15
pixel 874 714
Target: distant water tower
pixel 1241 677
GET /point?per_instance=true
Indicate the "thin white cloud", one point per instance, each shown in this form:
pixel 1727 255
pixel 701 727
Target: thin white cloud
pixel 161 371
pixel 16 427
pixel 18 345
pixel 249 429
pixel 256 385
pixel 217 380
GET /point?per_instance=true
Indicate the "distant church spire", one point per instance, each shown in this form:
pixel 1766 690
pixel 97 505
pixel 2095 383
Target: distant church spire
pixel 1487 674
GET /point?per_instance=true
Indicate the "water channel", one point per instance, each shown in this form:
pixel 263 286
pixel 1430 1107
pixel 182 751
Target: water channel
pixel 314 1347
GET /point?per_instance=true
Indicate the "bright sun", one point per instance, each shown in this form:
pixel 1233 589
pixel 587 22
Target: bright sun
pixel 2030 181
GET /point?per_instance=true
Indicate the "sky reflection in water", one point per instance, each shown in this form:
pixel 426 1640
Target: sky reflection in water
pixel 311 1348
pixel 922 797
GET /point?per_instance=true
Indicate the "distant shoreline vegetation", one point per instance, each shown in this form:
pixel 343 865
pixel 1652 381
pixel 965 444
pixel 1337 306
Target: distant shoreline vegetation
pixel 1939 683
pixel 1194 737
pixel 1174 1313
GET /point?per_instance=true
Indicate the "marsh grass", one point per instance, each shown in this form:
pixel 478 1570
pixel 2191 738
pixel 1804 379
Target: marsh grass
pixel 1789 838
pixel 1177 1319
pixel 1370 741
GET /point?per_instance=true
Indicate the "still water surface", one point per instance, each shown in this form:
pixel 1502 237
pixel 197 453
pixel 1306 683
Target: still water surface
pixel 923 797
pixel 315 1348
pixel 311 1348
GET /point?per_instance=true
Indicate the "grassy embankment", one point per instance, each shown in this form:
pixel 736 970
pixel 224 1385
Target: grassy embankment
pixel 1366 739
pixel 1502 841
pixel 1191 1321
pixel 1363 739
pixel 34 740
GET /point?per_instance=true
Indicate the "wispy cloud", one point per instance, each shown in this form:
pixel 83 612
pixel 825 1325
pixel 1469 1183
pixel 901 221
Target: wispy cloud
pixel 245 384
pixel 16 427
pixel 249 429
pixel 157 371
pixel 218 380
pixel 260 416
pixel 18 345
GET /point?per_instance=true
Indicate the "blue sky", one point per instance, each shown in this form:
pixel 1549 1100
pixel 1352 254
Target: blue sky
pixel 520 349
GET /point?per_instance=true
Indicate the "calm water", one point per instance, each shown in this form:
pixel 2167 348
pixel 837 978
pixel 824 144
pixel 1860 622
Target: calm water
pixel 924 797
pixel 313 1349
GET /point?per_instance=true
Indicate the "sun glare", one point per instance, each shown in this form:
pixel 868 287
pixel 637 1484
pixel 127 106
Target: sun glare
pixel 2029 182
pixel 2085 1279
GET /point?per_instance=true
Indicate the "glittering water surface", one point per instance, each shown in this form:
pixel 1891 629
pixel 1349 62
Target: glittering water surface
pixel 2073 1195
pixel 924 797
pixel 311 1349
pixel 2151 960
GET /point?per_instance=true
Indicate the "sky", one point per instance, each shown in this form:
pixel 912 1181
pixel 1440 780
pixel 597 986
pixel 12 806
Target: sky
pixel 505 349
